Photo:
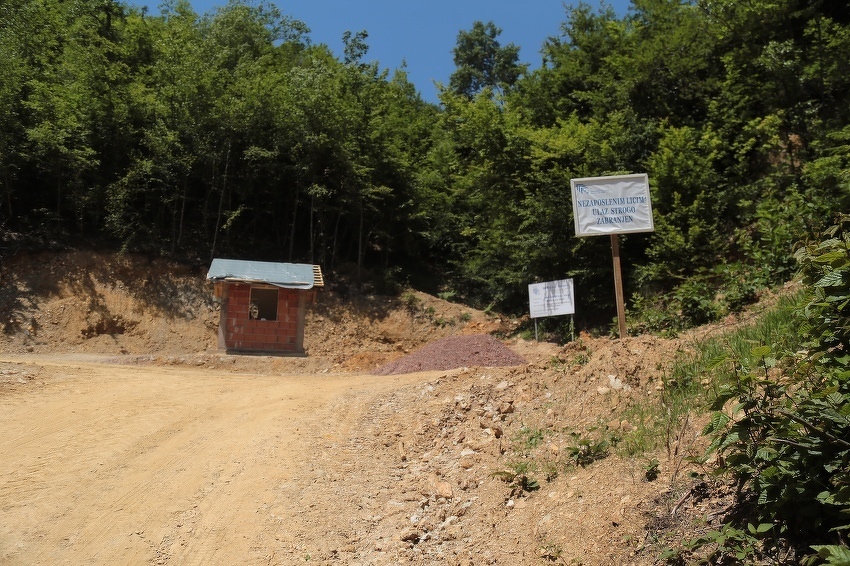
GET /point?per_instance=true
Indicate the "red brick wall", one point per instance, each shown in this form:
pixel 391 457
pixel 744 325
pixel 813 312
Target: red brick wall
pixel 282 335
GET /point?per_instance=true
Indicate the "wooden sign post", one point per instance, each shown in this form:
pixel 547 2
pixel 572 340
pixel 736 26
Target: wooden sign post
pixel 618 285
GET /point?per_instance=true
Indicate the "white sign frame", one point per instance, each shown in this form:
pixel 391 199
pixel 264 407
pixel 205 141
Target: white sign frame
pixel 617 204
pixel 551 298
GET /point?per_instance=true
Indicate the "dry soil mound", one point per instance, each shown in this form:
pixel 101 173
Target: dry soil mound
pixel 474 350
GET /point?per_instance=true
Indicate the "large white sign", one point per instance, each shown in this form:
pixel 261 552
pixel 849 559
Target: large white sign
pixel 618 204
pixel 551 298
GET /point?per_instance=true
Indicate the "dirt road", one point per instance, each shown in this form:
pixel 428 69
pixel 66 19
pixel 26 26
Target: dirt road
pixel 112 464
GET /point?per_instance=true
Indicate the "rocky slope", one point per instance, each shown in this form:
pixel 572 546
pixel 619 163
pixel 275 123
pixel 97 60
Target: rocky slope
pixel 517 461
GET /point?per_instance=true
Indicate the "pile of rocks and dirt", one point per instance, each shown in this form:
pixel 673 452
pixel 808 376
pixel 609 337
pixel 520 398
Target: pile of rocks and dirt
pixel 474 350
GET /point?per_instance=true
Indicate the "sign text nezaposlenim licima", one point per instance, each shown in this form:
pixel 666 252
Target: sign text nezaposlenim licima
pixel 612 205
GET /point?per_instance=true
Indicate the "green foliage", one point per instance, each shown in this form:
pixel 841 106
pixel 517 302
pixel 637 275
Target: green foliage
pixel 654 314
pixel 697 302
pixel 704 297
pixel 722 356
pixel 587 449
pixel 734 545
pixel 482 62
pixel 517 475
pixel 550 551
pixel 829 554
pixel 779 222
pixel 411 301
pixel 690 230
pixel 651 470
pixel 825 266
pixel 783 436
pixel 233 134
pixel 527 438
pixel 535 455
pixel 740 290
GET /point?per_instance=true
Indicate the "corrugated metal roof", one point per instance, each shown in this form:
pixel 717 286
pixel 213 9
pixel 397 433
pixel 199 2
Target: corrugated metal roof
pixel 287 275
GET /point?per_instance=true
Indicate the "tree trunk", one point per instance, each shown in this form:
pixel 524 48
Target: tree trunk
pixel 178 236
pixel 220 202
pixel 360 245
pixel 8 193
pixel 293 226
pixel 335 239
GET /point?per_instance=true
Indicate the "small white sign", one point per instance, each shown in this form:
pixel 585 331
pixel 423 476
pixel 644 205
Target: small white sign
pixel 618 204
pixel 551 298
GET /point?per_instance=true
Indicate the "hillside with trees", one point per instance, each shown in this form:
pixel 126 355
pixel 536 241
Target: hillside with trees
pixel 232 134
pixel 186 137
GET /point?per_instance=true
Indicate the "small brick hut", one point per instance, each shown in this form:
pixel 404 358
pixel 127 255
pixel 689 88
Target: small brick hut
pixel 263 304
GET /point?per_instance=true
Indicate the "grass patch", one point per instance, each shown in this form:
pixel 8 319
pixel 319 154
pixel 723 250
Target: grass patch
pixel 694 378
pixel 777 327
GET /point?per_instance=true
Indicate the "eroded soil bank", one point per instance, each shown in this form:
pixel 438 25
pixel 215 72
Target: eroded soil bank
pixel 135 441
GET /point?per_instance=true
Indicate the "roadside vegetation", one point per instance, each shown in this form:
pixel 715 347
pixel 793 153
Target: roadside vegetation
pixel 772 399
pixel 781 425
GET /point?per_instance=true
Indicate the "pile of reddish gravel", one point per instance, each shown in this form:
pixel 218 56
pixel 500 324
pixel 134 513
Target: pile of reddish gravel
pixel 475 350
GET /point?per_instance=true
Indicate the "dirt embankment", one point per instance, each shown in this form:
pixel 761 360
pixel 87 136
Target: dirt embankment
pixel 90 303
pixel 133 438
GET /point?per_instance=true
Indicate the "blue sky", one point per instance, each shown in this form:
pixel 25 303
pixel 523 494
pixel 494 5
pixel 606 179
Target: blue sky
pixel 421 33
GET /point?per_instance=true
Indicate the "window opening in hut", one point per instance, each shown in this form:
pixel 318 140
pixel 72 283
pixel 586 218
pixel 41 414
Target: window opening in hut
pixel 263 303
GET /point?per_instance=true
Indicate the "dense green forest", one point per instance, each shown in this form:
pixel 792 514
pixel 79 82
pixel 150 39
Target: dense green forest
pixel 231 134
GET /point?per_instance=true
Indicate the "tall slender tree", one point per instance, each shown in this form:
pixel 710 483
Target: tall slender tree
pixel 482 62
